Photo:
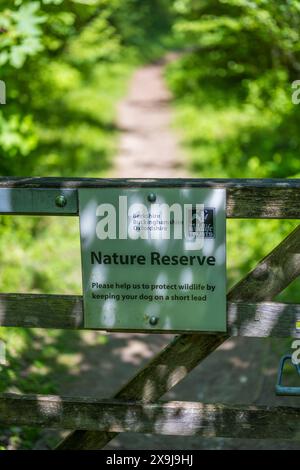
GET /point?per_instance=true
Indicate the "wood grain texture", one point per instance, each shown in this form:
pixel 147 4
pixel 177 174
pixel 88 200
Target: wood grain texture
pixel 170 418
pixel 175 361
pixel 263 319
pixel 257 320
pixel 41 311
pixel 247 198
pixel 53 182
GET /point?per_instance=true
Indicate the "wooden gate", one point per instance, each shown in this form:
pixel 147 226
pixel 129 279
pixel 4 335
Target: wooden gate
pixel 134 408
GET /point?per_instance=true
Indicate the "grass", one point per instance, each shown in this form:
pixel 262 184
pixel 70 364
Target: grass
pixel 227 136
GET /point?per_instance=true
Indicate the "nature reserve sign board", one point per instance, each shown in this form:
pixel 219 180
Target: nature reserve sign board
pixel 154 259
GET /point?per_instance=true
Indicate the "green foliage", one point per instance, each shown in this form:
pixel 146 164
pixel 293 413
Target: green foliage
pixel 233 101
pixel 22 34
pixel 234 86
pixel 48 93
pixel 66 64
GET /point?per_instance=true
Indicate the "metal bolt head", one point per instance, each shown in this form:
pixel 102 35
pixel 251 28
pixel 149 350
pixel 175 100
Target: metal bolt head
pixel 60 201
pixel 151 197
pixel 153 320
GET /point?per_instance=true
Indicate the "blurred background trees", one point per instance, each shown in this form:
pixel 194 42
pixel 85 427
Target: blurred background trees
pixel 244 56
pixel 233 103
pixel 67 63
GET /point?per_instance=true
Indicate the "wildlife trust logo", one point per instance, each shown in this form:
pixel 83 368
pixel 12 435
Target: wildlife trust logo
pixel 2 92
pixel 160 221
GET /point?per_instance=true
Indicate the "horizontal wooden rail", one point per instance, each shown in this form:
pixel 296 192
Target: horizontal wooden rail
pixel 261 319
pixel 247 198
pixel 54 182
pixel 170 418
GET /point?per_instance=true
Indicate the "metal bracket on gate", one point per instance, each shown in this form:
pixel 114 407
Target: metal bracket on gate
pixel 281 389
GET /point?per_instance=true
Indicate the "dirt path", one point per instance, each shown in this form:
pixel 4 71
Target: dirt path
pixel 148 147
pixel 240 371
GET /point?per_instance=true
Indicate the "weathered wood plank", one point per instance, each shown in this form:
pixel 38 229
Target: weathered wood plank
pixel 41 311
pixel 171 418
pixel 248 198
pixel 54 182
pixel 38 201
pixel 263 319
pixel 185 352
pixel 257 320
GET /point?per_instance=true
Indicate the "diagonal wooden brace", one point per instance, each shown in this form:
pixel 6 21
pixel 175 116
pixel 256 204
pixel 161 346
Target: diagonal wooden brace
pixel 272 275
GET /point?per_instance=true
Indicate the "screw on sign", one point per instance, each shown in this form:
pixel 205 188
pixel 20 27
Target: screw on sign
pixel 151 197
pixel 153 320
pixel 60 201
